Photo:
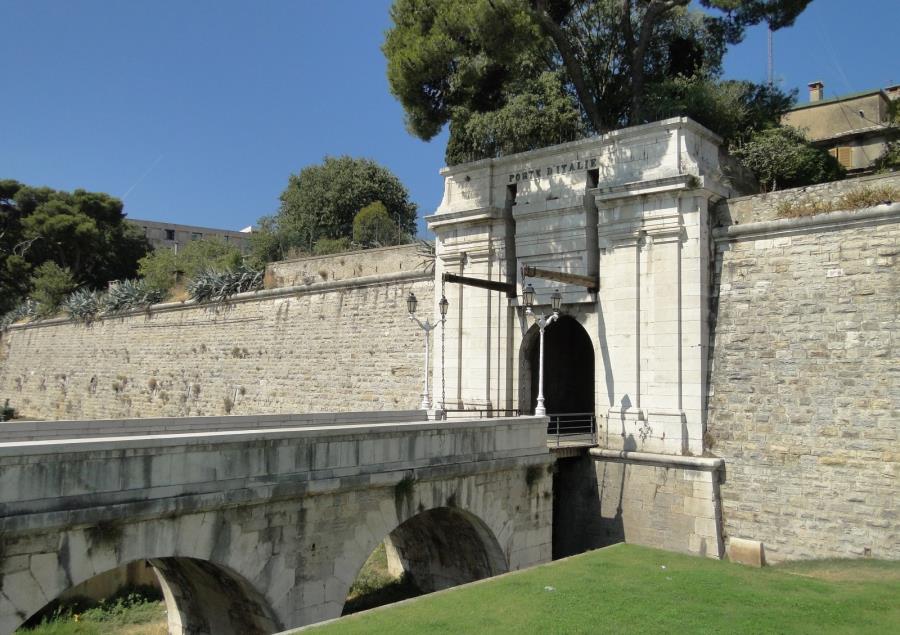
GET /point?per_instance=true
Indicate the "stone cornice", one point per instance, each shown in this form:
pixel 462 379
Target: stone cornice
pixel 614 137
pixel 821 222
pixel 478 215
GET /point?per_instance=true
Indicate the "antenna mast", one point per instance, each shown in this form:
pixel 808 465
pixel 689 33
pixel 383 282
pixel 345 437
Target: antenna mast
pixel 771 59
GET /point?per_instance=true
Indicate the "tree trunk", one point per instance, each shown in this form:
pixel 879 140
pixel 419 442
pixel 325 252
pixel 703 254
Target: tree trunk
pixel 571 61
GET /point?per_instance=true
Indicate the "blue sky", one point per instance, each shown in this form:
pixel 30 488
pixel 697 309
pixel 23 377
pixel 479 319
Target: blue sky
pixel 196 112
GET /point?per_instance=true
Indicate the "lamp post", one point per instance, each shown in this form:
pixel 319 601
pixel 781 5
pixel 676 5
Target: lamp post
pixel 542 323
pixel 427 327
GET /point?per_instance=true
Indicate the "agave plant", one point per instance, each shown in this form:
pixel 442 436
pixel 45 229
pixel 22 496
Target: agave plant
pixel 130 294
pixel 82 304
pixel 217 286
pixel 28 309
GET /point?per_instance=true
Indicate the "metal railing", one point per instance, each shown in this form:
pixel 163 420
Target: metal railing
pixel 480 413
pixel 572 427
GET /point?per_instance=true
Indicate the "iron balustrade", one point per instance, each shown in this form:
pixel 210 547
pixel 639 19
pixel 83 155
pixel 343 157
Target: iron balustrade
pixel 573 427
pixel 480 413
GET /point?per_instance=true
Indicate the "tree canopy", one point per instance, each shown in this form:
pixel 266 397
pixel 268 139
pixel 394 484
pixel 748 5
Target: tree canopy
pixel 560 68
pixel 783 158
pixel 373 227
pixel 82 232
pixel 321 201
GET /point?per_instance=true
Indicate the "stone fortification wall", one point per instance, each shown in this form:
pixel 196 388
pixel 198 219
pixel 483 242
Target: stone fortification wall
pixel 804 401
pixel 345 266
pixel 326 347
pixel 764 207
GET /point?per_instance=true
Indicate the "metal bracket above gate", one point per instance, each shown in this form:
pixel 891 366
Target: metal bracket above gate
pixel 588 282
pixel 493 285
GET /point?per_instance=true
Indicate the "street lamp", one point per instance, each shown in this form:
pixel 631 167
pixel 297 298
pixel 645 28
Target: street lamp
pixel 427 327
pixel 542 322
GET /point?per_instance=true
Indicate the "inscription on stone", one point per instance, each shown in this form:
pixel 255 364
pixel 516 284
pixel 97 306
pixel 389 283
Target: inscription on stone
pixel 562 168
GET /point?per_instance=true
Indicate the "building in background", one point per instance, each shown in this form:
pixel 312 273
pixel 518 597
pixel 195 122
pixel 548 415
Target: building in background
pixel 855 128
pixel 175 236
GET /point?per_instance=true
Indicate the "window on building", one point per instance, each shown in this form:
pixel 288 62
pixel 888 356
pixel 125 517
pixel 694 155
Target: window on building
pixel 170 234
pixel 196 235
pixel 844 155
pixel 227 238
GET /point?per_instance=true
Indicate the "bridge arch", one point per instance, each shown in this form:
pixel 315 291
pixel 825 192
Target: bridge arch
pixel 438 547
pixel 204 594
pixel 568 368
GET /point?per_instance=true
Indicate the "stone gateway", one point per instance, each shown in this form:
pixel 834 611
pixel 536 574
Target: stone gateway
pixel 737 355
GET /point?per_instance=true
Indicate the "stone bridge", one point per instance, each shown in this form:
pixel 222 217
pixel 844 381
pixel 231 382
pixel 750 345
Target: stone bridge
pixel 258 524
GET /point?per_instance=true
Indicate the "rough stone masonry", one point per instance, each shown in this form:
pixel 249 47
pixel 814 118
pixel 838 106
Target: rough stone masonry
pixel 321 345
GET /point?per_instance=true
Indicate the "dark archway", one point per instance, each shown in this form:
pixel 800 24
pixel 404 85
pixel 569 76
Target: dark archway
pixel 201 598
pixel 568 368
pixel 435 549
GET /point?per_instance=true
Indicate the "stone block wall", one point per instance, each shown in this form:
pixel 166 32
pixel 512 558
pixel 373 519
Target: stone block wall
pixel 804 401
pixel 658 501
pixel 345 266
pixel 329 347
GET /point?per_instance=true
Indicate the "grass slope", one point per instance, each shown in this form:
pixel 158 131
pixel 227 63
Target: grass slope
pixel 629 589
pixel 129 615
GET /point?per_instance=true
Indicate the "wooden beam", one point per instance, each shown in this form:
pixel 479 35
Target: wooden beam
pixel 589 282
pixel 492 285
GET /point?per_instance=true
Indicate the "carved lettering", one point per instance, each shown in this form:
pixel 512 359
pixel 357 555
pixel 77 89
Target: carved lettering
pixel 562 168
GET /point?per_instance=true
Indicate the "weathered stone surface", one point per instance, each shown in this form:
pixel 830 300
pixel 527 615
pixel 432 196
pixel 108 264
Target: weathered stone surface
pixel 658 501
pixel 764 207
pixel 749 552
pixel 345 266
pixel 804 400
pixel 250 543
pixel 325 349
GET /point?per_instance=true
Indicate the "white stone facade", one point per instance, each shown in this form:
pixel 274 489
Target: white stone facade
pixel 630 208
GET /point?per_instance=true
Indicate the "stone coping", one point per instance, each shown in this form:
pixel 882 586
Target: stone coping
pixel 147 441
pixel 248 296
pixel 826 221
pixel 34 430
pixel 352 253
pixel 661 460
pixel 849 183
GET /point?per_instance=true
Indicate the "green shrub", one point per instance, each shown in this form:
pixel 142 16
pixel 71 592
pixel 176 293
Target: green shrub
pixel 7 412
pixel 27 309
pixel 782 158
pixel 82 304
pixel 373 227
pixel 164 268
pixel 130 294
pixel 217 286
pixel 326 246
pixel 50 285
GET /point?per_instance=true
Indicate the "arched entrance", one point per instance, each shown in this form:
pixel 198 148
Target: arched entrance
pixel 435 549
pixel 568 368
pixel 201 598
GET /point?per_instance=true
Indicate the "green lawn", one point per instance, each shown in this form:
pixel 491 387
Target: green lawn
pixel 629 589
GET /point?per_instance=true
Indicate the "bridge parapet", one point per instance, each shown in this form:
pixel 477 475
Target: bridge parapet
pixel 80 428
